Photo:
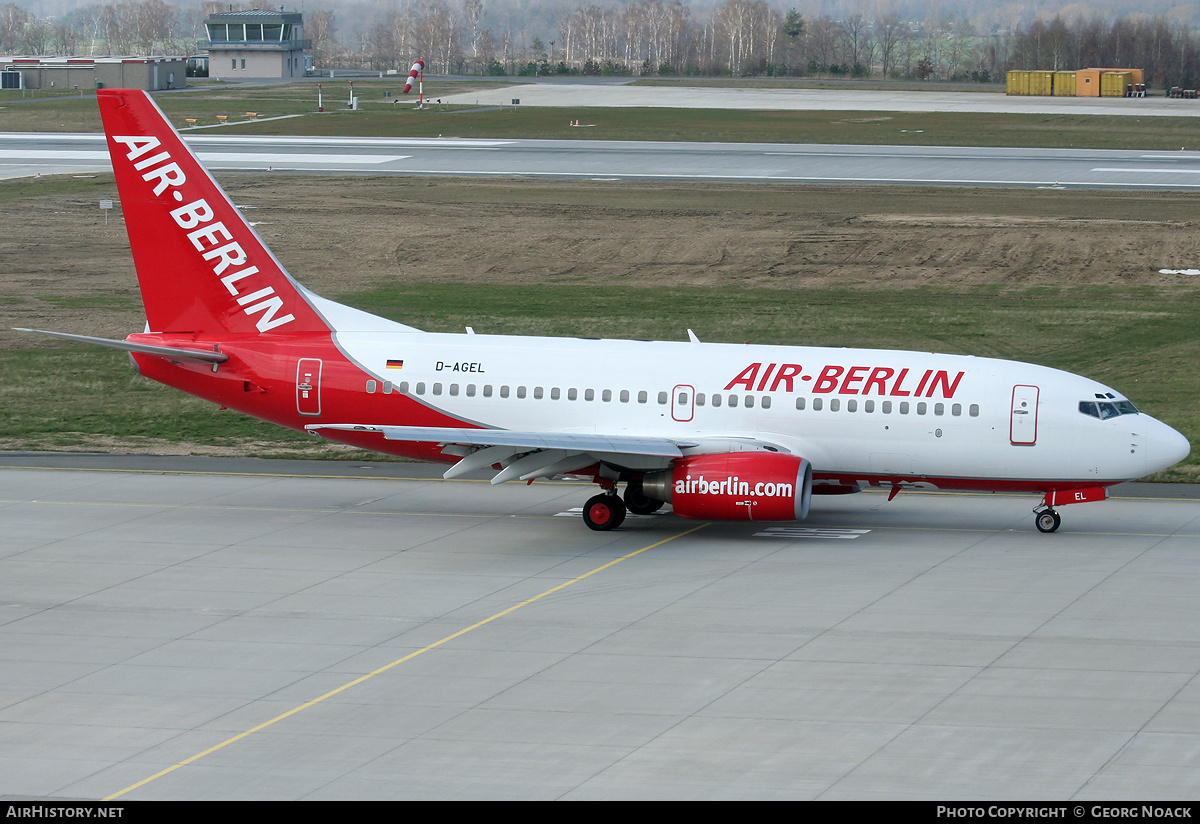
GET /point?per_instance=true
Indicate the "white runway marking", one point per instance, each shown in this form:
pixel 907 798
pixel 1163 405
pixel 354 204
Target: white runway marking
pixel 811 532
pixel 281 158
pixel 577 512
pixel 1150 171
pixel 208 157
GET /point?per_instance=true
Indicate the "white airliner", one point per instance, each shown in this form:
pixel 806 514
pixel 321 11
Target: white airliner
pixel 719 431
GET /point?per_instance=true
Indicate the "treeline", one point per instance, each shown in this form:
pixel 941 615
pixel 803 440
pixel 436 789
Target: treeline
pixel 1169 56
pixel 643 37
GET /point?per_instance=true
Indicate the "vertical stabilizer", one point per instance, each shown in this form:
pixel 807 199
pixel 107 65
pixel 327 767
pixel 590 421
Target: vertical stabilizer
pixel 201 268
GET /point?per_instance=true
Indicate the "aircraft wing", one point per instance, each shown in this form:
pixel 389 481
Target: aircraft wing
pixel 528 455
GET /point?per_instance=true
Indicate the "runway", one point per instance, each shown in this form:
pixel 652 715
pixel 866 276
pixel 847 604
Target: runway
pixel 177 628
pixel 849 99
pixel 25 155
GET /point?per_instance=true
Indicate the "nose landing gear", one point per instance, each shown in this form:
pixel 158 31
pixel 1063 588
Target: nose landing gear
pixel 1046 519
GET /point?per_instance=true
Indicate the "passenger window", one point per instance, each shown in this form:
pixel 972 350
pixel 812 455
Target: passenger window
pixel 555 393
pixel 370 387
pixel 817 404
pixel 521 392
pixel 487 390
pixel 974 410
pixel 956 410
pixel 851 406
pixel 921 407
pixel 454 389
pixel 437 388
pixel 387 387
pixel 572 394
pixel 903 407
pixel 868 406
pixel 886 407
pixel 749 401
pixel 939 408
pixel 835 404
pixel 662 398
pixel 624 396
pixel 800 403
pixel 470 390
pixel 643 397
pixel 504 391
pixel 732 401
pixel 716 401
pixel 683 398
pixel 421 387
pixel 606 396
pixel 589 394
pixel 403 386
pixel 699 399
pixel 537 393
pixel 766 402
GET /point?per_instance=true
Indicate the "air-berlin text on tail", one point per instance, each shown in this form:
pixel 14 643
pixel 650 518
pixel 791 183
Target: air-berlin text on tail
pixel 848 380
pixel 211 238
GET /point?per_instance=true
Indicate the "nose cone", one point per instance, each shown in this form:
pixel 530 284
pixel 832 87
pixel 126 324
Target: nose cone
pixel 1164 447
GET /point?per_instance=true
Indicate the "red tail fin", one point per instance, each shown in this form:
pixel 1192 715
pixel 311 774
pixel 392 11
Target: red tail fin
pixel 200 266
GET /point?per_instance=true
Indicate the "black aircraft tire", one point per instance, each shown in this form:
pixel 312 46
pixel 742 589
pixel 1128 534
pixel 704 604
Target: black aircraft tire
pixel 603 512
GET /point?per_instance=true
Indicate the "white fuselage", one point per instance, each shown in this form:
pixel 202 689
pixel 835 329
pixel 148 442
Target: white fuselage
pixel 851 412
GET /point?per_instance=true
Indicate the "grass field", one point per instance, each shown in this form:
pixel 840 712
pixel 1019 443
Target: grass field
pixel 380 117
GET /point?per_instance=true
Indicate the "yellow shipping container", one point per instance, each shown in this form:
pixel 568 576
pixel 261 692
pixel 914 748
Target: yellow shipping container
pixel 1041 83
pixel 1064 84
pixel 1018 82
pixel 1115 84
pixel 1139 75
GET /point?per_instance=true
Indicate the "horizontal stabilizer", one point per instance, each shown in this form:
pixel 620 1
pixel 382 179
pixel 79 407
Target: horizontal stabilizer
pixel 190 355
pixel 570 441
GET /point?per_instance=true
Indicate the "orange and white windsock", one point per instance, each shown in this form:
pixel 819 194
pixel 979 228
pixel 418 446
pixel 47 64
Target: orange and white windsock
pixel 416 69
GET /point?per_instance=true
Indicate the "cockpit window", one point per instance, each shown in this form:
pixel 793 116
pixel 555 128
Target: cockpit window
pixel 1107 409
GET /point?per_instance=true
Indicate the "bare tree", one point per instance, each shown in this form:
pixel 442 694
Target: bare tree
pixel 13 22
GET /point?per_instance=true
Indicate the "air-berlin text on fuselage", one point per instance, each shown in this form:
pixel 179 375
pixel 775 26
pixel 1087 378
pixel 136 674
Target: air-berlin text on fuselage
pixel 211 238
pixel 848 380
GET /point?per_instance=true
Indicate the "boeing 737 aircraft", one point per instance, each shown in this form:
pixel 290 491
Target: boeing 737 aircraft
pixel 719 431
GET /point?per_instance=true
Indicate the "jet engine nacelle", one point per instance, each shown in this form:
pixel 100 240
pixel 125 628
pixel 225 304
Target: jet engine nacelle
pixel 735 486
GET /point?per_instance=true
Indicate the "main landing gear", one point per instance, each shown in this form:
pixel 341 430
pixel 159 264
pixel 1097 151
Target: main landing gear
pixel 604 512
pixel 607 511
pixel 1046 519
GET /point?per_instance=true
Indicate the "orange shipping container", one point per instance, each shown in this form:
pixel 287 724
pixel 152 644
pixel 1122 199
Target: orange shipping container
pixel 1087 82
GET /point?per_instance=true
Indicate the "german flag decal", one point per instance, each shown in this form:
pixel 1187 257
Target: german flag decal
pixel 395 364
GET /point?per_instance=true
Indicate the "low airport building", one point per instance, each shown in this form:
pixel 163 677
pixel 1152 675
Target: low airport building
pixel 147 73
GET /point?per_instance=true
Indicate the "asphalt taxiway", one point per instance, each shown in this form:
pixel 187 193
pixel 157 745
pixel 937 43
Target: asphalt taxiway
pixel 183 628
